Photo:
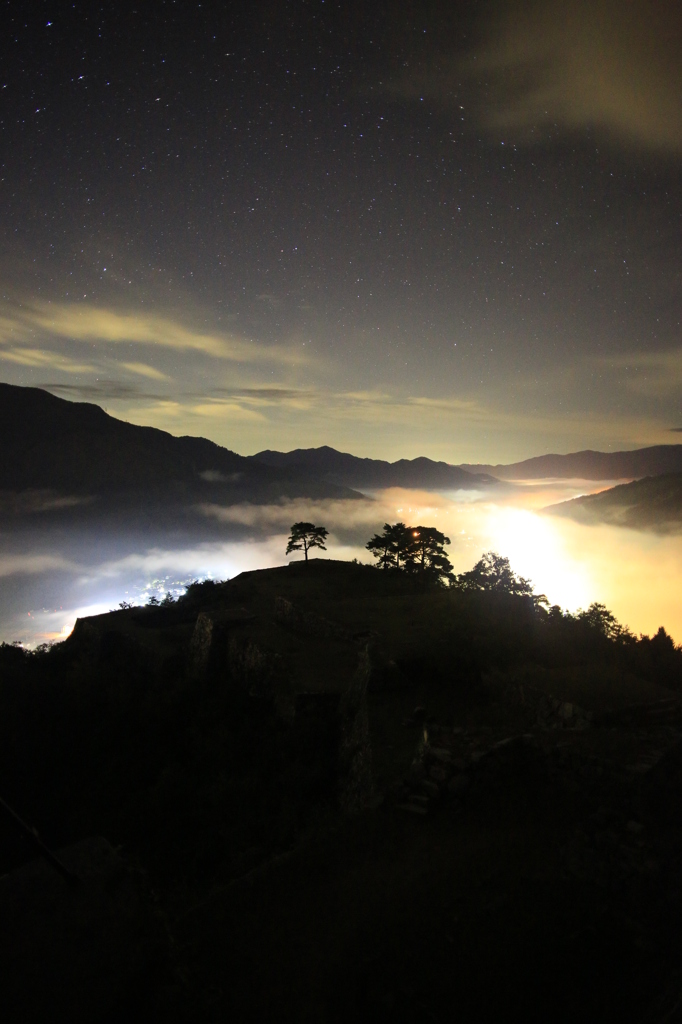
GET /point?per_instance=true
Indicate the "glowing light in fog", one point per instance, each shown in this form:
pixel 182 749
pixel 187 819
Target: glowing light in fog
pixel 637 575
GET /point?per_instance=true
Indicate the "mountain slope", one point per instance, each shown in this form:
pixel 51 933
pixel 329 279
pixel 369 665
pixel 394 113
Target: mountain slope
pixel 342 468
pixel 590 465
pixel 75 447
pixel 654 503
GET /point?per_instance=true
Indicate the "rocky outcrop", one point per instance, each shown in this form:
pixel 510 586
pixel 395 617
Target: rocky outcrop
pixel 553 713
pixel 355 750
pixel 200 645
pixel 307 623
pixel 333 736
pixel 546 711
pixel 251 666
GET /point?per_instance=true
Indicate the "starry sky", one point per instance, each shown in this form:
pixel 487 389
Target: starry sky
pixel 401 229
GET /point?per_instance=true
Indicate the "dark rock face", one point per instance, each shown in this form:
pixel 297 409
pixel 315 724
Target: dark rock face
pixel 561 714
pixel 325 707
pixel 70 953
pixel 332 732
pixel 316 731
pixel 549 711
pixel 200 645
pixel 307 623
pixel 355 751
pixel 454 767
pixel 251 666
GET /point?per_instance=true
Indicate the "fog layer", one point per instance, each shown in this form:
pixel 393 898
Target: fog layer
pixel 50 577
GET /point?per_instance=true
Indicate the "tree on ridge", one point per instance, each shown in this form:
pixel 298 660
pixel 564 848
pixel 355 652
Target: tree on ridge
pixel 305 536
pixel 426 552
pixel 493 572
pixel 414 549
pixel 388 547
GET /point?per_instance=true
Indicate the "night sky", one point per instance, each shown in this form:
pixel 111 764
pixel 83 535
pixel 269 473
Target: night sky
pixel 443 229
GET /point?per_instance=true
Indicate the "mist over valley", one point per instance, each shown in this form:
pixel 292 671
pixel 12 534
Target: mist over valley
pixel 94 511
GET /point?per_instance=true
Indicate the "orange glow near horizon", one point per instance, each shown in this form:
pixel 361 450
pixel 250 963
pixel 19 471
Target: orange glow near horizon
pixel 636 574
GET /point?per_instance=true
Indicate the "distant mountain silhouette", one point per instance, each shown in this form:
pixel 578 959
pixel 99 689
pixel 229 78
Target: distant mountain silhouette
pixel 653 503
pixel 589 465
pixel 48 443
pixel 351 471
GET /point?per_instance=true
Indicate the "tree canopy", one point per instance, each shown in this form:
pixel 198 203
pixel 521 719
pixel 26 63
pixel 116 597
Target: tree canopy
pixel 426 553
pixel 493 572
pixel 305 536
pixel 599 618
pixel 414 549
pixel 390 546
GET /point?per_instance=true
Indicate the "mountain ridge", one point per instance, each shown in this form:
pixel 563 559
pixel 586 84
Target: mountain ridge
pixel 652 503
pixel 355 471
pixel 50 443
pixel 654 460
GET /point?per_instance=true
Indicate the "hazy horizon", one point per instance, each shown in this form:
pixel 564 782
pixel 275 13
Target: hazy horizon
pixel 51 577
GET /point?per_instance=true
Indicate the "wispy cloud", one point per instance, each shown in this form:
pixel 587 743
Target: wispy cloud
pixel 101 391
pixel 143 370
pixel 347 518
pixel 603 64
pixel 51 337
pixel 217 409
pixel 28 502
pixel 270 396
pixel 187 414
pixel 89 323
pixel 344 512
pixel 219 560
pixel 593 62
pixel 19 565
pixel 457 406
pixel 400 426
pixel 44 359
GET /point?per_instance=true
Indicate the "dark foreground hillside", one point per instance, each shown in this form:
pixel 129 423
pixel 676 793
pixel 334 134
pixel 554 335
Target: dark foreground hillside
pixel 329 795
